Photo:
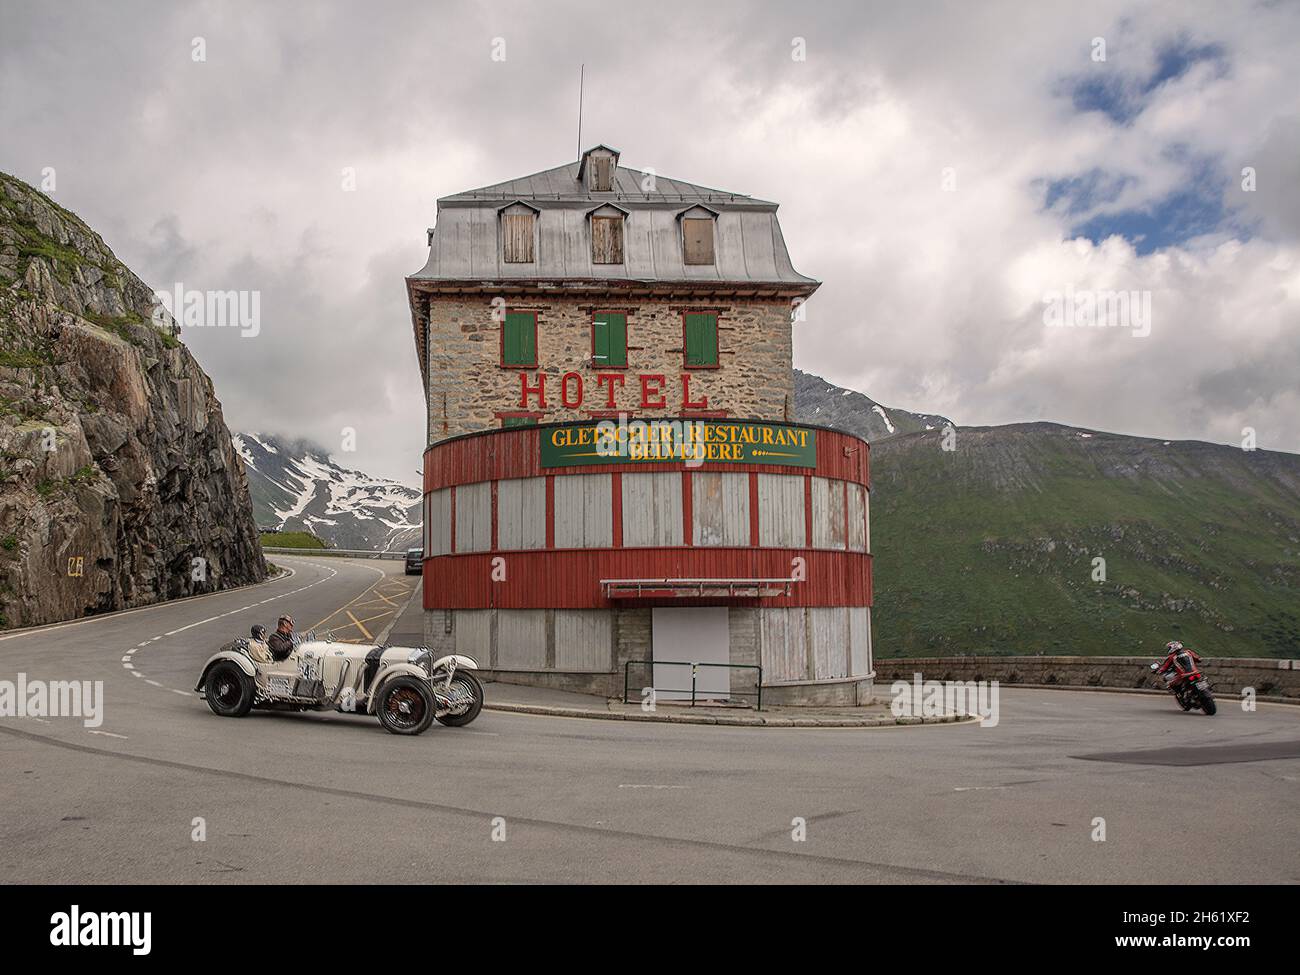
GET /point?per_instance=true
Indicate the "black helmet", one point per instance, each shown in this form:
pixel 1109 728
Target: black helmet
pixel 259 632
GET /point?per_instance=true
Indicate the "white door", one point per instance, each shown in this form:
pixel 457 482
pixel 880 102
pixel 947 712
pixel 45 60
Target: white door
pixel 690 634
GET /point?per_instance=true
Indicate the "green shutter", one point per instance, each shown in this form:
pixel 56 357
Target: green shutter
pixel 609 339
pixel 518 421
pixel 517 348
pixel 702 339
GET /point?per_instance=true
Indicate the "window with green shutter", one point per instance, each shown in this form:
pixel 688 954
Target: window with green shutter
pixel 519 339
pixel 701 339
pixel 609 340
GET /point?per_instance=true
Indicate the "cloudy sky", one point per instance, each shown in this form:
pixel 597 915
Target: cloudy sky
pixel 943 168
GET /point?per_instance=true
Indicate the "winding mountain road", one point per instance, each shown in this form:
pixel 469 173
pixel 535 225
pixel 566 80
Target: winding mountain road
pixel 527 798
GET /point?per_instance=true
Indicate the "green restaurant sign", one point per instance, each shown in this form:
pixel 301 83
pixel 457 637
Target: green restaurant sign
pixel 700 441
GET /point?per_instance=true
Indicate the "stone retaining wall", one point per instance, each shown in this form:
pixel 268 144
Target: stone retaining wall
pixel 1228 675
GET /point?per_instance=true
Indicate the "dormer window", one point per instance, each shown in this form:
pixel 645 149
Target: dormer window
pixel 602 174
pixel 518 234
pixel 596 169
pixel 607 234
pixel 697 235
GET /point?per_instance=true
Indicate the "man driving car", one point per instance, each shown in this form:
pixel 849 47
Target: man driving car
pixel 282 642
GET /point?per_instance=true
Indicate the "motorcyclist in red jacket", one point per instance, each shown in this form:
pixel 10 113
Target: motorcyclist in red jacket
pixel 1174 650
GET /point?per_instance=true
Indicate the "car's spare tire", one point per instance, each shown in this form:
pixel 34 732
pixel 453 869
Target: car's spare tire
pixel 229 691
pixel 405 706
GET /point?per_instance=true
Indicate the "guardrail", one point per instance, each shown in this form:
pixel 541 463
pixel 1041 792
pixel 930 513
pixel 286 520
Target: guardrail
pixel 695 671
pixel 347 553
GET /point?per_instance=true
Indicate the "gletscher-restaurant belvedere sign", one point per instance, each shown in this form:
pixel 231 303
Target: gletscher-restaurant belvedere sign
pixel 702 441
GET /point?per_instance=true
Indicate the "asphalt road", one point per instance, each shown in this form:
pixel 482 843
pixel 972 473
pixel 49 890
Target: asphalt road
pixel 334 798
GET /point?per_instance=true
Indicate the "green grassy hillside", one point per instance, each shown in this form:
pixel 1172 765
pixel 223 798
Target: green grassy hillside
pixel 292 540
pixel 989 548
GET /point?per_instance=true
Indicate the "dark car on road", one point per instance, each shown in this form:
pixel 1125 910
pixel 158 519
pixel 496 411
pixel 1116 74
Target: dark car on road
pixel 414 561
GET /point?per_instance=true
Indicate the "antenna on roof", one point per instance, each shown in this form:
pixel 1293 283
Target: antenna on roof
pixel 581 71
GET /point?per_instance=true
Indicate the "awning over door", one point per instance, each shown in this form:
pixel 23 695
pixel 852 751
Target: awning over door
pixel 695 588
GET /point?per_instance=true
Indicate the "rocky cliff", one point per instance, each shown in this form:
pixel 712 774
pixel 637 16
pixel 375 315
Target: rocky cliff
pixel 118 482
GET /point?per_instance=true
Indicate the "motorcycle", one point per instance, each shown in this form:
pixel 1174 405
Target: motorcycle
pixel 1187 684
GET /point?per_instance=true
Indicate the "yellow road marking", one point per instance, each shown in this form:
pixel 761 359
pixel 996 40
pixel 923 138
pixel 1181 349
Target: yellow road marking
pixel 367 600
pixel 359 625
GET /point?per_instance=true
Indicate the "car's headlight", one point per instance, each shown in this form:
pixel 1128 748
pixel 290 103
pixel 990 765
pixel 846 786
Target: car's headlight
pixel 422 657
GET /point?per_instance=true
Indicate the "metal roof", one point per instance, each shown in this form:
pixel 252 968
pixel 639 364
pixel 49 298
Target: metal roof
pixel 465 244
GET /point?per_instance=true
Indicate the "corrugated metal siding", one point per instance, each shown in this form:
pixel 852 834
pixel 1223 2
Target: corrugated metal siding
pixel 859 641
pixel 783 644
pixel 857 518
pixel 521 639
pixel 571 579
pixel 719 508
pixel 584 511
pixel 499 454
pixel 438 523
pixel 474 517
pixel 828 628
pixel 652 509
pixel 521 513
pixel 473 631
pixel 828 513
pixel 584 639
pixel 426 521
pixel 780 510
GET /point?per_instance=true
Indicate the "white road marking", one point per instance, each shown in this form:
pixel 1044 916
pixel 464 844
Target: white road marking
pixel 211 619
pixel 109 734
pixel 143 609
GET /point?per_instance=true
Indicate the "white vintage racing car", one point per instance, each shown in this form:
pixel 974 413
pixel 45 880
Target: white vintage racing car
pixel 406 688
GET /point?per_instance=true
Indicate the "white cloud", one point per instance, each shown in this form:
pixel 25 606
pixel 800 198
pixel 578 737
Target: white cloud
pixel 227 175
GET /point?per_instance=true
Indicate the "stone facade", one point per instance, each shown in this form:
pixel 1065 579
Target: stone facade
pixel 469 390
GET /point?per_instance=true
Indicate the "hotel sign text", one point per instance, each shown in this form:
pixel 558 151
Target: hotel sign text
pixel 690 441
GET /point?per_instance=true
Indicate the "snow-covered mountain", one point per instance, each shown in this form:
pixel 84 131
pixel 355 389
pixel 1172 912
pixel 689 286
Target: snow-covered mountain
pixel 297 486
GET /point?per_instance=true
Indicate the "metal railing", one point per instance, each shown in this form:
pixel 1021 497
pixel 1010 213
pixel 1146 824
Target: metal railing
pixel 695 671
pixel 347 553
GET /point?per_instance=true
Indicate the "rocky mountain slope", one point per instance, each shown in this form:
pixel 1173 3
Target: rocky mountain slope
pixel 989 548
pixel 817 401
pixel 297 486
pixel 118 482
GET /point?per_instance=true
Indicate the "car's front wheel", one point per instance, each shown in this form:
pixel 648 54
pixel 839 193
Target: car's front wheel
pixel 228 689
pixel 465 683
pixel 405 706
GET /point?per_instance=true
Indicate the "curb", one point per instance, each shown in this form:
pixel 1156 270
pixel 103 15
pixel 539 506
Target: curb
pixel 709 719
